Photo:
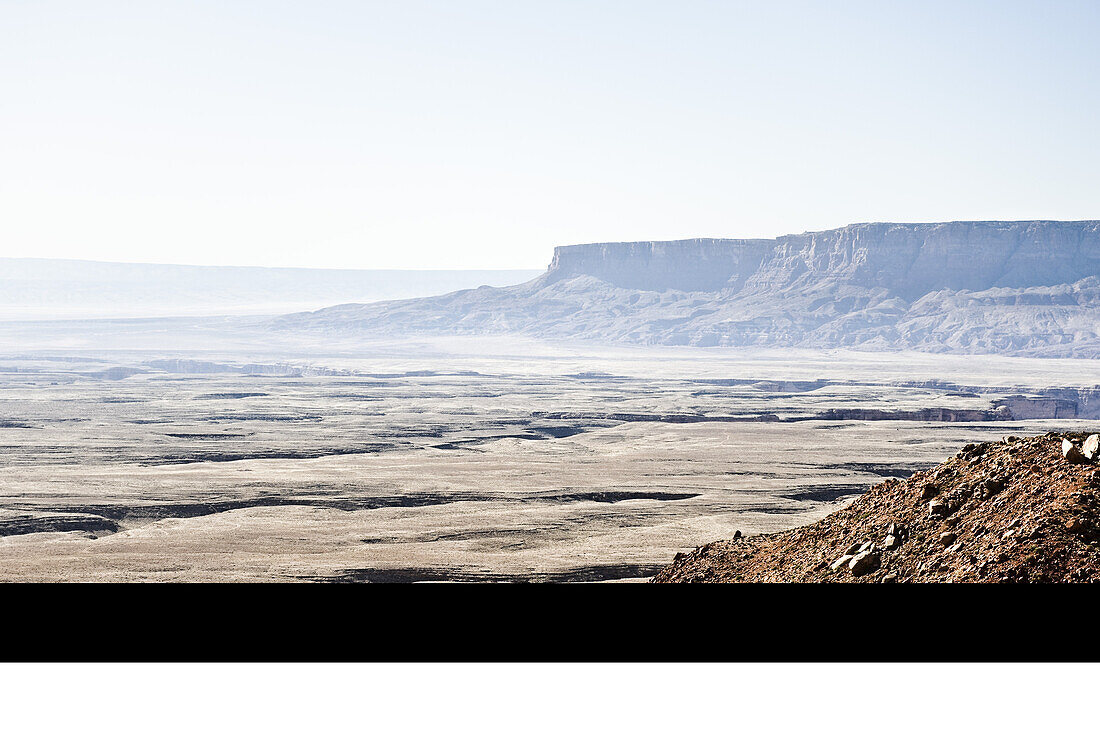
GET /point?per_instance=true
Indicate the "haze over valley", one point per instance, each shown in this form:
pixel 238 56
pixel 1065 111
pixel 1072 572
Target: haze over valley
pixel 585 423
pixel 57 289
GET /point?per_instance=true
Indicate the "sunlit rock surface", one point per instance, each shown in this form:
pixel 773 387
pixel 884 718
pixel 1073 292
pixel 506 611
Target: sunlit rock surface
pixel 1023 287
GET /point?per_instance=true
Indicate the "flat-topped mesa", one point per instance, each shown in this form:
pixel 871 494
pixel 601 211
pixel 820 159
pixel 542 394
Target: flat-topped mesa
pixel 689 264
pixel 908 260
pixel 911 260
pixel 1028 288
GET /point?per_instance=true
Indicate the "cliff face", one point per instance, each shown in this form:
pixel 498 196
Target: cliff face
pixel 1024 288
pixel 687 265
pixel 908 260
pixel 913 259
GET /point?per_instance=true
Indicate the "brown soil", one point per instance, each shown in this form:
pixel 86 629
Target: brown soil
pixel 996 512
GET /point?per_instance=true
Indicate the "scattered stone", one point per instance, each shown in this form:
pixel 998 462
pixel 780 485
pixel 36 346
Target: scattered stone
pixel 1042 526
pixel 991 487
pixel 1077 525
pixel 1091 447
pixel 737 534
pixel 842 562
pixel 864 563
pixel 1071 453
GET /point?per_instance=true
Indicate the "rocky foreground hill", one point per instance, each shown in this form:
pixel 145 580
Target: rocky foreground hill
pixel 1009 287
pixel 1015 511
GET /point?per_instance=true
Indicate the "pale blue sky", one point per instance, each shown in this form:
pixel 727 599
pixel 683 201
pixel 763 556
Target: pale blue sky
pixel 481 134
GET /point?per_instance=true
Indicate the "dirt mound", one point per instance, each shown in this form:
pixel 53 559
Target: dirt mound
pixel 1013 511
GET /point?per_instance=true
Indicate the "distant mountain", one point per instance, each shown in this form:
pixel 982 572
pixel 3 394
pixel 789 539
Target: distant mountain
pixel 1013 287
pixel 32 289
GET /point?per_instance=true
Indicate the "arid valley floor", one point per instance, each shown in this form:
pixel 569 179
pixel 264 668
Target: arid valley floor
pixel 127 458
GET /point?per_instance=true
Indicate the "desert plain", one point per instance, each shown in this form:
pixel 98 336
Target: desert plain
pixel 126 455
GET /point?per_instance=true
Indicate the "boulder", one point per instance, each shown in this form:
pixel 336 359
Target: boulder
pixel 1071 452
pixel 842 562
pixel 864 563
pixel 1091 447
pixel 1077 525
pixel 991 487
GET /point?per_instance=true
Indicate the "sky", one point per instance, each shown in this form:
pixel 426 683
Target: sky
pixel 434 135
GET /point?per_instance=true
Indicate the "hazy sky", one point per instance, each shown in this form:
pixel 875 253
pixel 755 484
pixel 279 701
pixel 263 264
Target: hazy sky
pixel 481 134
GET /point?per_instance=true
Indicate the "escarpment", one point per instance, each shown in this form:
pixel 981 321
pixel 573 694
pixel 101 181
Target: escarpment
pixel 1015 287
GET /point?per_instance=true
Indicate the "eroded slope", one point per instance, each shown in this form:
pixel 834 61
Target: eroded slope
pixel 1013 511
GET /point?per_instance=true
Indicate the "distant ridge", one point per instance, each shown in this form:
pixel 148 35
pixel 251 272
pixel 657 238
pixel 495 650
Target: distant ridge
pixel 32 289
pixel 1013 287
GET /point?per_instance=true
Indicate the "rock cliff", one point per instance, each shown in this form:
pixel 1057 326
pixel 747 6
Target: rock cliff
pixel 687 265
pixel 1020 287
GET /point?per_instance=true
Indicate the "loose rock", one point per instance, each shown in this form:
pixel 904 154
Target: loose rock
pixel 1076 525
pixel 1071 453
pixel 1043 526
pixel 991 487
pixel 842 562
pixel 1091 447
pixel 864 563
